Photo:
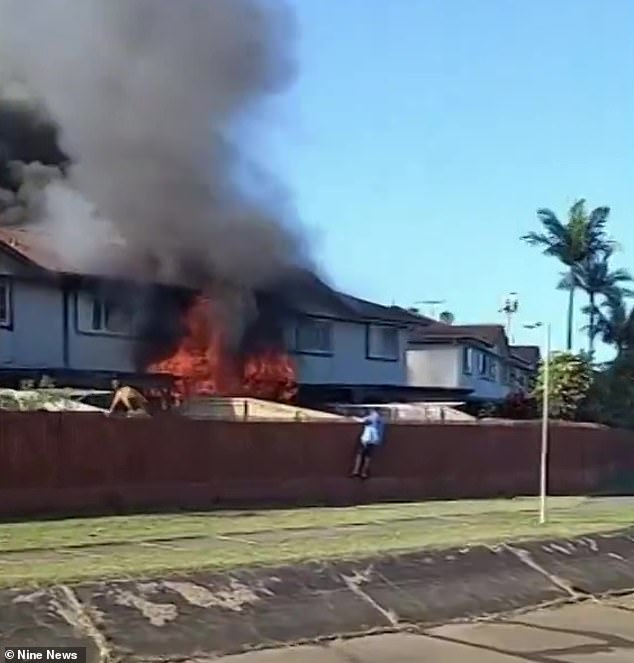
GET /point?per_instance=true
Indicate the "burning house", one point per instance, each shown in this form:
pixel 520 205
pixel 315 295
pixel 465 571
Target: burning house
pixel 83 328
pixel 308 342
pixel 128 179
pixel 140 234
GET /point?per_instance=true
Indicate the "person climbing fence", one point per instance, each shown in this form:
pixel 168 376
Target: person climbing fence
pixel 370 440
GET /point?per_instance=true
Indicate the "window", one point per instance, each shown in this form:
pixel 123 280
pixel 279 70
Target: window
pixel 110 317
pixel 487 366
pixel 482 363
pixel 382 343
pixel 467 360
pixel 313 336
pixel 6 318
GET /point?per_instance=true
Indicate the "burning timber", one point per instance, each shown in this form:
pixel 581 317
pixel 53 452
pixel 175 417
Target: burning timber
pixel 204 363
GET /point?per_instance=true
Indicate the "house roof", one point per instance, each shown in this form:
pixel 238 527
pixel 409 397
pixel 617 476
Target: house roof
pixel 31 247
pixel 300 289
pixel 530 354
pixel 372 311
pixel 489 334
pixel 36 248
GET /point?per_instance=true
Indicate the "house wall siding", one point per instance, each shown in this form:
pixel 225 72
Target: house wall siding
pixel 348 364
pixel 36 337
pixel 437 366
pixel 483 387
pixel 96 352
pixel 441 366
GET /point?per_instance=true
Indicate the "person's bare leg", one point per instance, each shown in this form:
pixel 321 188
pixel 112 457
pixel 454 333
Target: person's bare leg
pixel 357 465
pixel 365 470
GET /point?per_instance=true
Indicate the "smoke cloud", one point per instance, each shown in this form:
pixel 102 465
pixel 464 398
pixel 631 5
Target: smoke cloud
pixel 152 102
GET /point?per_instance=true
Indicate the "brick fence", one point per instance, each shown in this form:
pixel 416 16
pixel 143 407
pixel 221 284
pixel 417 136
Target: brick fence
pixel 75 462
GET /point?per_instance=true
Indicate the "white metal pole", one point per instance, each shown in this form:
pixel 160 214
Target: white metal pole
pixel 543 479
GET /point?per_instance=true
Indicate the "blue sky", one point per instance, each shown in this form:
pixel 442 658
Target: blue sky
pixel 421 136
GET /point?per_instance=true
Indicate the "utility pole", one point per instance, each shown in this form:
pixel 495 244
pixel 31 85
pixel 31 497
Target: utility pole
pixel 543 474
pixel 510 305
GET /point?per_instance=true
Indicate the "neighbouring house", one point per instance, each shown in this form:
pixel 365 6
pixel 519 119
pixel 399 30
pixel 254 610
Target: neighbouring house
pixel 474 357
pixel 350 350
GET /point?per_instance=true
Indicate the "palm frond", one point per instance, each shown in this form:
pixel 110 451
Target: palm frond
pixel 536 239
pixel 555 229
pixel 614 324
pixel 620 276
pixel 567 281
pixel 598 218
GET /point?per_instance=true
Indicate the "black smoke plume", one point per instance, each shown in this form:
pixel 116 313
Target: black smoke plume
pixel 155 108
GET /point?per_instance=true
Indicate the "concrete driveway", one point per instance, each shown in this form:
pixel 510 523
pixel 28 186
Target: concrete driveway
pixel 590 632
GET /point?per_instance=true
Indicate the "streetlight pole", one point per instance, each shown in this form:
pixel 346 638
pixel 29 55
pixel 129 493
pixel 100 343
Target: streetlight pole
pixel 543 474
pixel 543 465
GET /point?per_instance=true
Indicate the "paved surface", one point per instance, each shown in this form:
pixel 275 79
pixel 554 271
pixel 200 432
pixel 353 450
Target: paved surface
pixel 591 632
pixel 205 615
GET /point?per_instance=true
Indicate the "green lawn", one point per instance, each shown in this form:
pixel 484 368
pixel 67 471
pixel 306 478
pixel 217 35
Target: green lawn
pixel 124 546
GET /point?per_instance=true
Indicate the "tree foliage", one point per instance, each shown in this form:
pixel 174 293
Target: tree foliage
pixel 581 240
pixel 611 398
pixel 570 381
pixel 598 280
pixel 615 324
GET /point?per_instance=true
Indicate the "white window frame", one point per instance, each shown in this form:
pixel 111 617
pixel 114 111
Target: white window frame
pixel 488 366
pixel 6 302
pixel 381 354
pixel 467 360
pixel 86 319
pixel 321 327
pixel 482 364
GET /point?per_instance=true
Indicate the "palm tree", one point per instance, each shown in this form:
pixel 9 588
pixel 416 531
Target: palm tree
pixel 615 325
pixel 596 279
pixel 581 238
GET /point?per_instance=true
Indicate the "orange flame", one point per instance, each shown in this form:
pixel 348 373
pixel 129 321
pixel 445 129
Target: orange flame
pixel 203 366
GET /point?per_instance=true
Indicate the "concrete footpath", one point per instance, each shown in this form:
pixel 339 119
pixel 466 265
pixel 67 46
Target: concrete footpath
pixel 206 615
pixel 591 632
